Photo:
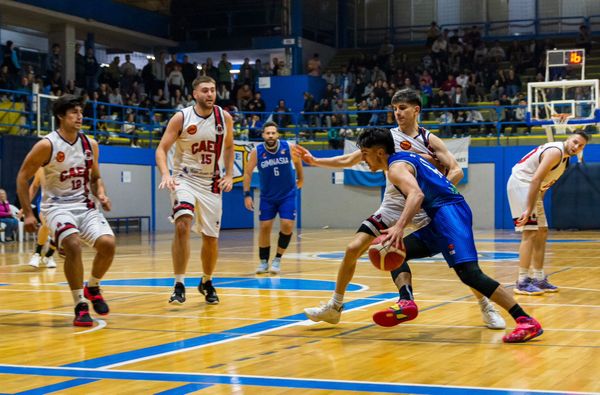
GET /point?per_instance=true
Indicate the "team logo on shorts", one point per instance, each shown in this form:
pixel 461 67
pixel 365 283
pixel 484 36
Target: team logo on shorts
pixel 405 145
pixel 451 249
pixel 88 154
pixel 192 129
pixel 219 129
pixel 60 156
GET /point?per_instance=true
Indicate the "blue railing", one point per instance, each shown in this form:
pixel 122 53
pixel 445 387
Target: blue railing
pixel 110 123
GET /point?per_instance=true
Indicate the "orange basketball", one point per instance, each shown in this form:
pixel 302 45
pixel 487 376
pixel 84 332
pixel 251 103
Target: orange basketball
pixel 386 258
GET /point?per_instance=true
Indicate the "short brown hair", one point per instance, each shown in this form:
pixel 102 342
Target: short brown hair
pixel 202 79
pixel 270 123
pixel 583 134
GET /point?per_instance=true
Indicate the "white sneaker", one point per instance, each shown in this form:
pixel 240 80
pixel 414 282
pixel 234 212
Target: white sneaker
pixel 35 260
pixel 50 262
pixel 275 266
pixel 263 267
pixel 491 318
pixel 325 312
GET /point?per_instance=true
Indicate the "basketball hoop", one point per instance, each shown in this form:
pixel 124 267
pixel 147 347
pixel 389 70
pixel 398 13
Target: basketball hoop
pixel 561 122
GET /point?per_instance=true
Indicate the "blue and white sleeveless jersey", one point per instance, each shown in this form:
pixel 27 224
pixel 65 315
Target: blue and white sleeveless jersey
pixel 277 175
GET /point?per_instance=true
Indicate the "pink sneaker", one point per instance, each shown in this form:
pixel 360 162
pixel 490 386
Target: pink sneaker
pixel 527 329
pixel 403 310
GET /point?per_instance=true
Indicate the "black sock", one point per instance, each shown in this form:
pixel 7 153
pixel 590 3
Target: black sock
pixel 50 251
pixel 278 255
pixel 264 253
pixel 38 249
pixel 517 311
pixel 406 292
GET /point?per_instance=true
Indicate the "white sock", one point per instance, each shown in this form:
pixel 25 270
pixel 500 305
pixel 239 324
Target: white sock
pixel 523 274
pixel 93 282
pixel 484 301
pixel 77 296
pixel 179 278
pixel 538 274
pixel 338 299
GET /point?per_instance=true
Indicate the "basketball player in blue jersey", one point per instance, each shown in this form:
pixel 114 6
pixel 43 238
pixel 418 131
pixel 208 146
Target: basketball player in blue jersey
pixel 450 230
pixel 408 136
pixel 278 188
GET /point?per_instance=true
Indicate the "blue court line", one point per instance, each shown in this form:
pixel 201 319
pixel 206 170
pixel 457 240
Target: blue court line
pixel 269 283
pixel 548 241
pixel 185 389
pixel 57 387
pixel 264 381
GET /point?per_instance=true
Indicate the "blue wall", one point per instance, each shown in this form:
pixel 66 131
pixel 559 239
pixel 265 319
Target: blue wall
pixel 111 13
pixel 291 89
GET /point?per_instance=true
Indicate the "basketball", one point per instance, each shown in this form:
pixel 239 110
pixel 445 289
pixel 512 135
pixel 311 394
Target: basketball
pixel 386 258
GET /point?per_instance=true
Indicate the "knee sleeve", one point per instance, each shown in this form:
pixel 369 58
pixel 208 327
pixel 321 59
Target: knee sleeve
pixel 404 268
pixel 284 240
pixel 471 275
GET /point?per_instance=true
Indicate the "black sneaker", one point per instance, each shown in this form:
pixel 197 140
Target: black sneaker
pixel 82 315
pixel 178 296
pixel 209 292
pixel 94 295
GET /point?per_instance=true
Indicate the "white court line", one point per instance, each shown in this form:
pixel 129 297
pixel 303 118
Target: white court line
pixel 258 320
pixel 101 324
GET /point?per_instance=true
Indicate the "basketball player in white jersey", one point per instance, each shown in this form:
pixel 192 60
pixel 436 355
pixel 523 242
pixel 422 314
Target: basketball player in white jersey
pixel 43 232
pixel 73 185
pixel 203 138
pixel 531 177
pixel 408 136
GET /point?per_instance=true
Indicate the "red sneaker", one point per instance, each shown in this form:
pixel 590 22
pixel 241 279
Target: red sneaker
pixel 94 295
pixel 403 310
pixel 527 329
pixel 82 315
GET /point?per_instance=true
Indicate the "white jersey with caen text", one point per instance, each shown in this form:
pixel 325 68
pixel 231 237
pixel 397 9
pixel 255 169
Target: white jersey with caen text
pixel 67 173
pixel 528 165
pixel 199 148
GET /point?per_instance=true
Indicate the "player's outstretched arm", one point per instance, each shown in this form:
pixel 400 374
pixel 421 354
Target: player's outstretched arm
pixel 340 161
pixel 299 169
pixel 455 172
pixel 248 169
pixel 38 156
pixel 172 131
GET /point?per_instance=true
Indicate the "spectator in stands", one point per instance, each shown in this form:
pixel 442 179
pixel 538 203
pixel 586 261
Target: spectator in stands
pixel 114 97
pixel 333 133
pixel 519 116
pixel 5 81
pixel 441 100
pixel 458 98
pixel 432 34
pixel 175 80
pixel 475 117
pixel 176 100
pixel 258 103
pixel 325 107
pixel 148 77
pixel 362 118
pixel 243 96
pixel 210 70
pixel 314 66
pixel 91 70
pixel 224 68
pixel 584 39
pixel 129 128
pixel 160 100
pixel 255 126
pixel 282 114
pixel 171 64
pixel 114 72
pixel 445 119
pixel 496 53
pixel 189 71
pixel 449 85
pixel 512 82
pixel 79 67
pixel 340 109
pixel 7 218
pixel 159 72
pixel 71 88
pixel 10 59
pixel 246 75
pixel 54 62
pixel 329 77
pixel 223 96
pixel 385 54
pixel 128 72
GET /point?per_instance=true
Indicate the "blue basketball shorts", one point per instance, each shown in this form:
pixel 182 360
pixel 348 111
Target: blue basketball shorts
pixel 286 208
pixel 451 233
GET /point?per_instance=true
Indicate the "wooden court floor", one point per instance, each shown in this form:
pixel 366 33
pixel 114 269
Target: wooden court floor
pixel 258 341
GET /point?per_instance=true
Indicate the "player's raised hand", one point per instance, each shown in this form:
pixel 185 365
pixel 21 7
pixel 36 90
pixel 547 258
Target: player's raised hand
pixel 226 183
pixel 304 154
pixel 168 182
